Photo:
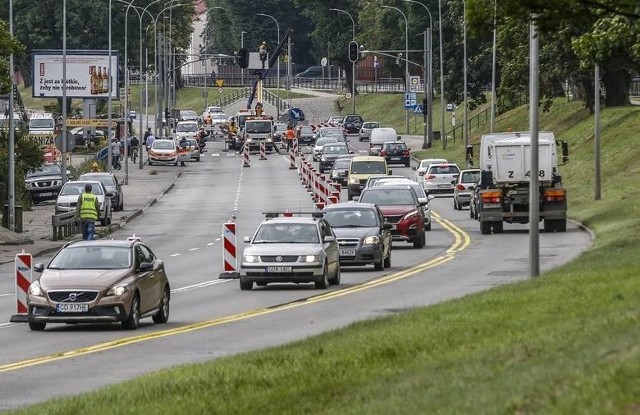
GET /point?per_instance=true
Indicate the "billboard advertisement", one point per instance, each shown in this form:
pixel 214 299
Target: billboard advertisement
pixel 87 74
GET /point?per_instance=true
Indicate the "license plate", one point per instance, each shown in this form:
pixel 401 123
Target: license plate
pixel 278 269
pixel 72 308
pixel 347 252
pixel 394 158
pixel 444 186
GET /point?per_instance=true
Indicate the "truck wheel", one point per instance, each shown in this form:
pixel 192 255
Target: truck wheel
pixel 485 228
pixel 497 227
pixel 555 225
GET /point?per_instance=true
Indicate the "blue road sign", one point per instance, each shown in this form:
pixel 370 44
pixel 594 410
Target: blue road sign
pixel 418 109
pixel 296 114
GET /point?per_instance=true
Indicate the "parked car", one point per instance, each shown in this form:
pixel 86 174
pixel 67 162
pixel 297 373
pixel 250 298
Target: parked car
pixel 464 186
pixel 305 135
pixel 439 178
pixel 163 151
pixel 396 152
pixel 45 182
pixel 102 281
pixel 111 185
pixel 401 209
pixel 365 130
pixel 299 249
pixel 338 173
pixel 423 165
pixel 329 154
pixel 363 236
pixel 352 123
pixel 68 198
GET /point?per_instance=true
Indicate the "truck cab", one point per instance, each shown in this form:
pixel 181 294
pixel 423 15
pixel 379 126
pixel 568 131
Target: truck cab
pixel 42 124
pixel 259 129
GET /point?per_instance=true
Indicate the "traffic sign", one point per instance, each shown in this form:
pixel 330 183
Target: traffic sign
pixel 324 62
pixel 70 142
pixel 89 122
pixel 347 95
pixel 418 109
pixel 410 100
pixel 220 90
pixel 219 83
pixel 414 82
pixel 296 114
pixel 450 107
pixel 132 114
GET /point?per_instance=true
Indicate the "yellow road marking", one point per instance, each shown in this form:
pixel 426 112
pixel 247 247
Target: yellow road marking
pixel 461 242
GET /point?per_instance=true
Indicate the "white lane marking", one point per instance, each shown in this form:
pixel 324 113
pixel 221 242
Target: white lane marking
pixel 217 239
pixel 194 249
pixel 3 325
pixel 7 294
pixel 210 243
pixel 176 254
pixel 198 285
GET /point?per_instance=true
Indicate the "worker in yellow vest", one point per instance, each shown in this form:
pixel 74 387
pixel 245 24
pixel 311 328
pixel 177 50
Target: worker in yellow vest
pixel 88 210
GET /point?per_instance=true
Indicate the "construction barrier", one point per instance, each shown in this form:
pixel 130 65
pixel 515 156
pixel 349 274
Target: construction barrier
pixel 229 251
pixel 24 276
pixel 263 151
pixel 245 155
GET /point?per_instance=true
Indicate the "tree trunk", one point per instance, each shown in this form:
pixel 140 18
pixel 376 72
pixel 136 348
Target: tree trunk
pixel 616 84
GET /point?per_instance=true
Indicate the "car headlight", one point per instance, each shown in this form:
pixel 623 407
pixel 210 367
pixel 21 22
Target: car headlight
pixel 250 258
pixel 371 240
pixel 411 215
pixel 310 258
pixel 353 180
pixel 118 290
pixel 269 140
pixel 35 289
pixel 323 158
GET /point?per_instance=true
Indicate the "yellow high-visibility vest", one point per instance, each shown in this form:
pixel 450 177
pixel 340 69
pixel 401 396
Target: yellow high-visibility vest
pixel 88 207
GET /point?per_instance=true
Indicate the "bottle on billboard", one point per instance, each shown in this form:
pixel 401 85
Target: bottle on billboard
pixel 99 81
pixel 105 80
pixel 92 79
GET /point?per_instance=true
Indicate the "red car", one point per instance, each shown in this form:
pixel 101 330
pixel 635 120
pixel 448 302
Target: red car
pixel 400 208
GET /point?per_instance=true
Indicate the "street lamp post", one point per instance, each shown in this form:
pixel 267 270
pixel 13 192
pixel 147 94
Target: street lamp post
pixel 278 64
pixel 353 64
pixel 428 80
pixel 406 48
pixel 493 70
pixel 12 184
pixel 443 136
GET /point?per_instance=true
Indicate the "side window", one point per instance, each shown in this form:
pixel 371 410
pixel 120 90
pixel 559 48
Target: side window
pixel 139 256
pixel 326 230
pixel 143 254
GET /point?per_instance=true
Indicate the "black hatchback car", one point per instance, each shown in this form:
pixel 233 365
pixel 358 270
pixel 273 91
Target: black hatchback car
pixel 352 123
pixel 396 152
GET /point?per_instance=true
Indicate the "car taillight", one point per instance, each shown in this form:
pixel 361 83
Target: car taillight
pixel 554 195
pixel 406 153
pixel 383 153
pixel 460 187
pixel 492 197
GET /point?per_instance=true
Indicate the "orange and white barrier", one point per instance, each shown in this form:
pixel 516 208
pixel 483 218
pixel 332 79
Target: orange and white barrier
pixel 245 155
pixel 229 251
pixel 263 151
pixel 24 276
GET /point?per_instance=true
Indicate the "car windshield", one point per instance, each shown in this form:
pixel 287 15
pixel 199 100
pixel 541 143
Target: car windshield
pixel 470 177
pixel 330 131
pixel 306 130
pixel 91 257
pixel 341 164
pixel 188 127
pixel 105 179
pixel 444 170
pixel 304 233
pixel 219 117
pixel 395 146
pixel 46 170
pixel 332 149
pixel 163 145
pixel 368 167
pixel 417 188
pixel 188 113
pixel 351 218
pixel 192 143
pixel 388 197
pixel 41 123
pixel 77 188
pixel 258 126
pixel 321 142
pixel 370 125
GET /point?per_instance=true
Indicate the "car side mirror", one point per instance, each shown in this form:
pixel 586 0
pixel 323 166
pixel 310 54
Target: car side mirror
pixel 145 266
pixel 387 226
pixel 356 198
pixel 110 194
pixel 414 168
pixel 39 267
pixel 390 173
pixel 246 239
pixel 346 172
pixel 329 238
pixel 420 173
pixel 453 182
pixel 423 201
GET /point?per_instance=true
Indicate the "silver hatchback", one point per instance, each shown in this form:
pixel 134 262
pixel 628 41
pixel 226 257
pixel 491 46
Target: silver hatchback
pixel 439 178
pixel 464 187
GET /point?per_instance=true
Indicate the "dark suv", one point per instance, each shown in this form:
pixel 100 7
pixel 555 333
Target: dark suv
pixel 45 182
pixel 352 123
pixel 401 209
pixel 363 237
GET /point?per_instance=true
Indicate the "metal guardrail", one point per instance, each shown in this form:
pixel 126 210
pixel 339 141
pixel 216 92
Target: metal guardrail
pixel 65 225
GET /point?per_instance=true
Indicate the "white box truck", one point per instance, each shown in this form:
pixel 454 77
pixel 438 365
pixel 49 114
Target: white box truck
pixel 503 190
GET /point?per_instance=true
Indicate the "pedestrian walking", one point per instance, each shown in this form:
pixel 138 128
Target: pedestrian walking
pixel 290 135
pixel 134 148
pixel 88 211
pixel 183 147
pixel 115 153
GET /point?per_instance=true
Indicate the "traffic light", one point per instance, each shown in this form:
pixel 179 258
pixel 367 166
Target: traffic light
pixel 243 58
pixel 353 51
pixel 425 110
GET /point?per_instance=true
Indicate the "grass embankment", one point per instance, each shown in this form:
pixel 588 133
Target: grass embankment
pixel 567 342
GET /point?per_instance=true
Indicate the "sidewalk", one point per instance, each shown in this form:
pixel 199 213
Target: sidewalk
pixel 141 192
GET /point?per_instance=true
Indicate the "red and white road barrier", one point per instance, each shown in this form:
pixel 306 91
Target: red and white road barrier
pixel 292 155
pixel 245 155
pixel 229 251
pixel 24 276
pixel 263 151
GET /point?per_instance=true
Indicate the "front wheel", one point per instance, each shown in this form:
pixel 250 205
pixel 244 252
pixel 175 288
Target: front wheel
pixel 36 325
pixel 418 244
pixel 323 282
pixel 245 285
pixel 336 278
pixel 133 321
pixel 162 316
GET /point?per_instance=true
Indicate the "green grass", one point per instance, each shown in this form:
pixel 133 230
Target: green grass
pixel 565 343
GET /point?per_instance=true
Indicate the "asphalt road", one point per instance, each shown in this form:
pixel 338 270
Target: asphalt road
pixel 211 317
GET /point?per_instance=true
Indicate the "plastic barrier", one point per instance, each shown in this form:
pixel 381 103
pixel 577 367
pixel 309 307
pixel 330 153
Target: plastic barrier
pixel 24 276
pixel 245 155
pixel 229 251
pixel 263 151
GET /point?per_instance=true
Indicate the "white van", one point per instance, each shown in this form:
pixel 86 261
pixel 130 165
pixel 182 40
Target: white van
pixel 379 136
pixel 42 124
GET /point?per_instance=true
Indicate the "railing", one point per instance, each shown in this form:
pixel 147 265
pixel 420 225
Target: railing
pixel 65 225
pixel 479 119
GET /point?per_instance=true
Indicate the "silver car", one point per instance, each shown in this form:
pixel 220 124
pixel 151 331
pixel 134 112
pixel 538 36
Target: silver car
pixel 365 130
pixel 298 249
pixel 439 178
pixel 464 187
pixel 68 198
pixel 317 149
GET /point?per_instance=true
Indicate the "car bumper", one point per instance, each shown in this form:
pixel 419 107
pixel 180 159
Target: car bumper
pixel 463 198
pixel 405 231
pixel 296 273
pixel 432 189
pixel 397 160
pixel 160 159
pixel 105 310
pixel 362 255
